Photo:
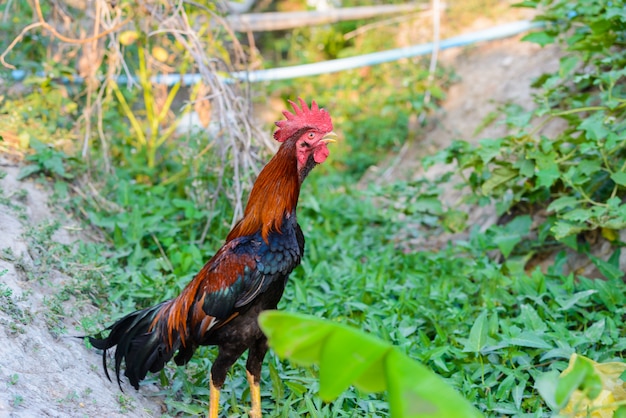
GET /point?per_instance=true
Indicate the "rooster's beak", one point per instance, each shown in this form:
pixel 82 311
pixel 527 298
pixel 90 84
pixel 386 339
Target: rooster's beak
pixel 329 137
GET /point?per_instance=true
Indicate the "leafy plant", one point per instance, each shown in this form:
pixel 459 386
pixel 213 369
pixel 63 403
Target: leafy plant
pixel 579 175
pixel 49 161
pixel 586 388
pixel 18 317
pixel 492 327
pixel 347 356
pixel 157 127
pixel 44 113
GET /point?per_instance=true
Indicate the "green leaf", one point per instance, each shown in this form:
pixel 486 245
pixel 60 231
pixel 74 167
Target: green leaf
pixel 571 381
pixel 427 204
pixel 55 165
pixel 609 270
pixel 546 385
pixel 511 234
pixel 619 178
pixel 594 126
pixel 620 412
pixel 529 339
pixel 594 332
pixel 518 117
pixel 578 215
pixel 415 391
pixel 547 176
pixel 498 177
pixel 506 242
pixel 28 170
pixel 567 64
pixel 519 225
pixel 297 388
pixel 277 384
pixel 526 168
pixel 562 229
pixel 302 343
pixel 478 334
pixel 370 380
pixel 562 202
pixel 489 149
pixel 530 316
pixel 575 299
pixel 346 355
pixel 582 373
pixel 542 38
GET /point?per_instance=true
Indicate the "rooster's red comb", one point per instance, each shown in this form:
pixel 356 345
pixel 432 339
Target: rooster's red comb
pixel 302 118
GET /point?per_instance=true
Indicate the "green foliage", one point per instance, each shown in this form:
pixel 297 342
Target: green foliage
pixel 482 324
pixel 347 356
pixel 49 161
pixel 32 53
pixel 579 174
pixel 585 387
pixel 152 131
pixel 18 318
pixel 157 234
pixel 45 113
pixel 414 208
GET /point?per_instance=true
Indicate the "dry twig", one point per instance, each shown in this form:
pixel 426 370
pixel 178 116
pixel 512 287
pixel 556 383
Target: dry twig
pixel 230 109
pixel 42 23
pixel 233 134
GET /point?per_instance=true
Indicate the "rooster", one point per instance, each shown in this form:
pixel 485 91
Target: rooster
pixel 247 275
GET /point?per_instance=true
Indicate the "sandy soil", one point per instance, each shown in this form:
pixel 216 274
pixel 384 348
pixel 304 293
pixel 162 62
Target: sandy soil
pixel 42 375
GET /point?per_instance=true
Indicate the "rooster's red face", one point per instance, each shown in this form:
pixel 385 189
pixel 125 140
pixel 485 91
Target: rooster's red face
pixel 311 129
pixel 313 143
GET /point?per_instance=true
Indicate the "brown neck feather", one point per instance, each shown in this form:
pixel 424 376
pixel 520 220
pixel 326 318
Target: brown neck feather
pixel 273 196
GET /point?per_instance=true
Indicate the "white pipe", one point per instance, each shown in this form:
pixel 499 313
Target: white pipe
pixel 342 64
pixel 350 63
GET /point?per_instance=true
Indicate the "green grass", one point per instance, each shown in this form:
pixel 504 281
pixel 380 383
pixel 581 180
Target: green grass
pixel 18 318
pixel 490 328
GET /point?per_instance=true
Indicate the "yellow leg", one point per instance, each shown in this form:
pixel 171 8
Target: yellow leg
pixel 214 400
pixel 255 396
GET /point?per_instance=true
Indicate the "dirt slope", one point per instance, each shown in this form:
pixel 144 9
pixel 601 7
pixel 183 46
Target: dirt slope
pixel 491 74
pixel 42 375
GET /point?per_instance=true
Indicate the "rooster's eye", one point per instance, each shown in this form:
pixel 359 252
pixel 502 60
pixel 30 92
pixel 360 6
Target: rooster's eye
pixel 311 135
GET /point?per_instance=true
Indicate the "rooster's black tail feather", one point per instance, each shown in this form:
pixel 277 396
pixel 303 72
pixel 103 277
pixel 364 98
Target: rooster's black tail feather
pixel 142 347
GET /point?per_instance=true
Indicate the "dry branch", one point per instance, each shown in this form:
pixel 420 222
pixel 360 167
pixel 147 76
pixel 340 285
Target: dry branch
pixel 233 134
pixel 231 110
pixel 42 23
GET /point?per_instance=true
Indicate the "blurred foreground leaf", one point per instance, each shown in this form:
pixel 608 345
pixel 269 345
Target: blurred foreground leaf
pixel 348 356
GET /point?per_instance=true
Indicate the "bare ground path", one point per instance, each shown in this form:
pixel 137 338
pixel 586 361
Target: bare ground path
pixel 491 74
pixel 41 374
